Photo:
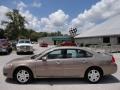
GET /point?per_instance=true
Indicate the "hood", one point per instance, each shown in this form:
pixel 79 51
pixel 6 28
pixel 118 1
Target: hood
pixel 24 44
pixel 27 58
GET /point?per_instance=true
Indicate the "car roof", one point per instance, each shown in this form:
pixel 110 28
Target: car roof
pixel 72 47
pixel 68 47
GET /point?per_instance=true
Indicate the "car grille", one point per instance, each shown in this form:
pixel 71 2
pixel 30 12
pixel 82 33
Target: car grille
pixel 25 47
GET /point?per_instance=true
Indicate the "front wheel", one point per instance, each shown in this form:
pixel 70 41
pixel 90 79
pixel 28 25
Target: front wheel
pixel 23 76
pixel 93 75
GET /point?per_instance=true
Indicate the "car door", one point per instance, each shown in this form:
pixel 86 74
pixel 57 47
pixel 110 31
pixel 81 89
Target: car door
pixel 76 62
pixel 52 66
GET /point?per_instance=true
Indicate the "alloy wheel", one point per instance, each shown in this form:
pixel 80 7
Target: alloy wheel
pixel 93 75
pixel 23 76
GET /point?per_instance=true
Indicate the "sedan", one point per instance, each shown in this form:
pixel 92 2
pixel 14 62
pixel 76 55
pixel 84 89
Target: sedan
pixel 68 43
pixel 61 62
pixel 43 44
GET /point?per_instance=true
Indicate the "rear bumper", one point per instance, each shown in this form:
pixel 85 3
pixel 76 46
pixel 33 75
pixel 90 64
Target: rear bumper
pixel 110 69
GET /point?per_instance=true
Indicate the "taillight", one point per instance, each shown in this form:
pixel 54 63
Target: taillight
pixel 4 44
pixel 113 59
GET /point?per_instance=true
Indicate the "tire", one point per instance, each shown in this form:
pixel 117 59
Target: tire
pixel 9 50
pixel 18 53
pixel 23 75
pixel 93 75
pixel 31 52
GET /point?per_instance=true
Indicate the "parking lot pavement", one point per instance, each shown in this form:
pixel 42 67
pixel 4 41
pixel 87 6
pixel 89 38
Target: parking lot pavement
pixel 111 82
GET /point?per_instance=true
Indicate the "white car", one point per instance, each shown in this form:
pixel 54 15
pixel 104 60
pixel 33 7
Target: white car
pixel 24 46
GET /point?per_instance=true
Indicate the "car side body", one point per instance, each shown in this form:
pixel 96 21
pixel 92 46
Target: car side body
pixel 50 64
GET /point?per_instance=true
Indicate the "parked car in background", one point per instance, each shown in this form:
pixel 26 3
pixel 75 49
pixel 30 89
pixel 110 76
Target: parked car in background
pixel 61 62
pixel 24 46
pixel 5 46
pixel 43 44
pixel 67 43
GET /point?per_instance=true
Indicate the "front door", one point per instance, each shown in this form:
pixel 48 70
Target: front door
pixel 52 66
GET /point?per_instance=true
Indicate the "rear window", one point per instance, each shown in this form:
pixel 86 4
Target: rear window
pixel 82 53
pixel 77 53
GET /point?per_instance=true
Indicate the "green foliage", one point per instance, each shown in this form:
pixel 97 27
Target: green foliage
pixel 1 33
pixel 15 28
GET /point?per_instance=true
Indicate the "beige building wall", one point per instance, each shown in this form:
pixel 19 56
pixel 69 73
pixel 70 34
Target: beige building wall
pixel 96 40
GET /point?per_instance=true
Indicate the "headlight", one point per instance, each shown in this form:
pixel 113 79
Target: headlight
pixel 18 47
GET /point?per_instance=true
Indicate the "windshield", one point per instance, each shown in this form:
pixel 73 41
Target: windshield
pixel 27 41
pixel 21 41
pixel 37 55
pixel 24 41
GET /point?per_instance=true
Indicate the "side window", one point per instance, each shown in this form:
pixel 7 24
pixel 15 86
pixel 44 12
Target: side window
pixel 71 53
pixel 82 54
pixel 55 54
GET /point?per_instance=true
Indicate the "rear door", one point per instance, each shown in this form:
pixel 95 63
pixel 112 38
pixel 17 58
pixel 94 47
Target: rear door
pixel 76 62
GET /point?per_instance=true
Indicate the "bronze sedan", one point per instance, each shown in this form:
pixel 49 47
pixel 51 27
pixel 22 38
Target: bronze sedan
pixel 62 62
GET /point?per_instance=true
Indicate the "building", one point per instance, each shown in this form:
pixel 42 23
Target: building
pixel 107 33
pixel 54 40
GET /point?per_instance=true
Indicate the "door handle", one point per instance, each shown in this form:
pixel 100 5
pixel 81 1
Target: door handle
pixel 57 62
pixel 84 61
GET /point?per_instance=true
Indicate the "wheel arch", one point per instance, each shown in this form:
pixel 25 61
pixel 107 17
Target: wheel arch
pixel 94 67
pixel 22 67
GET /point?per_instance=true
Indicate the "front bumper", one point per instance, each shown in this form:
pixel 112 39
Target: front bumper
pixel 3 50
pixel 8 72
pixel 24 49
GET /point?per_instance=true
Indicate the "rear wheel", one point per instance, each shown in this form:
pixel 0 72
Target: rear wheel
pixel 93 75
pixel 18 53
pixel 23 76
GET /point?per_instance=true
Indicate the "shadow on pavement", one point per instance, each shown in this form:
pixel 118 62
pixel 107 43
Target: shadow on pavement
pixel 64 81
pixel 109 79
pixel 26 53
pixel 4 54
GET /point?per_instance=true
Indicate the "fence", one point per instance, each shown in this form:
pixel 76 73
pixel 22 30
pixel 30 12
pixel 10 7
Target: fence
pixel 100 48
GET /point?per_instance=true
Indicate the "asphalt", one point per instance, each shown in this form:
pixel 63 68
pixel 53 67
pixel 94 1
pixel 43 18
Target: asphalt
pixel 111 82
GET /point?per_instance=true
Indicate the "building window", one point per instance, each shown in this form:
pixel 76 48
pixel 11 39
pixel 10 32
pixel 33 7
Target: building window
pixel 106 39
pixel 118 39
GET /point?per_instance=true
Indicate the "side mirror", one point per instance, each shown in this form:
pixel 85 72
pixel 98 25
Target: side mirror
pixel 44 58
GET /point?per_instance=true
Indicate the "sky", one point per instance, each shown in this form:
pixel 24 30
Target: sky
pixel 61 15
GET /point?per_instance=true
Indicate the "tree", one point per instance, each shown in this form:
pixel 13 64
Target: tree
pixel 15 26
pixel 2 33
